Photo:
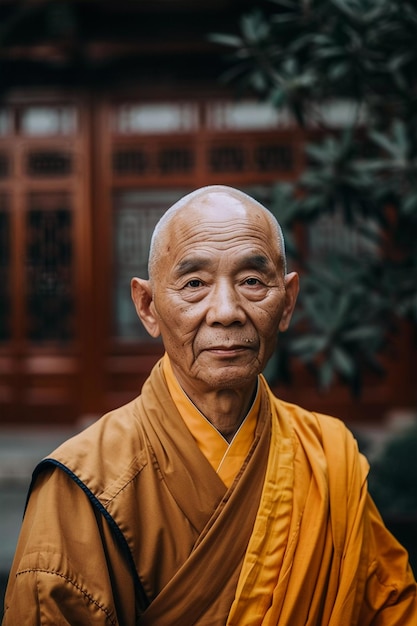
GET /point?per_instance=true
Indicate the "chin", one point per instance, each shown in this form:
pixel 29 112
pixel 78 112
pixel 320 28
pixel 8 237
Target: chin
pixel 231 379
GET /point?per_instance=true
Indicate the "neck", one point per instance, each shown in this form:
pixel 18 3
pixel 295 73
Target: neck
pixel 225 409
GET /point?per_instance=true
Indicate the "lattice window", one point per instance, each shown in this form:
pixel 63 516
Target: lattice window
pixel 245 115
pixel 134 218
pixel 5 270
pixel 130 162
pixel 235 156
pixel 228 158
pixel 46 163
pixel 155 118
pixel 49 268
pixel 153 160
pixel 6 122
pixel 47 121
pixel 174 160
pixel 274 158
pixel 5 165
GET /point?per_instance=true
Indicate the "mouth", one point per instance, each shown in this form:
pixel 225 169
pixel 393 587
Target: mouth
pixel 230 349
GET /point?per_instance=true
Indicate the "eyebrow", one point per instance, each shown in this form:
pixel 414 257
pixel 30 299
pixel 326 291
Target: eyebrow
pixel 195 264
pixel 257 261
pixel 190 265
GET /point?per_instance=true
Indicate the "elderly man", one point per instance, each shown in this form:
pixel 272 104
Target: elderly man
pixel 207 500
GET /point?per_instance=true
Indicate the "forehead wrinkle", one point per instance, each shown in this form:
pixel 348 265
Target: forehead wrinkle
pixel 232 231
pixel 214 231
pixel 192 264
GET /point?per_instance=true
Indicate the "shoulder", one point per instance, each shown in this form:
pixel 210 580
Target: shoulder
pixel 109 450
pixel 311 423
pixel 322 436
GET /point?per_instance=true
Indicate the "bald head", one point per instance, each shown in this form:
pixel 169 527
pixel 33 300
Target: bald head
pixel 202 201
pixel 218 294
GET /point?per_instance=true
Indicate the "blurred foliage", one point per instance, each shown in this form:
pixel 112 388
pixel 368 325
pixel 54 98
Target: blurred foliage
pixel 305 55
pixel 393 476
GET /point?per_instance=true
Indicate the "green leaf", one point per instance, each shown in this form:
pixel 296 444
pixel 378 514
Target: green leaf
pixel 342 361
pixel 258 81
pixel 326 374
pixel 338 70
pixel 330 52
pixel 226 40
pixel 362 333
pixel 254 27
pixel 279 97
pixel 394 148
pixel 400 135
pixel 409 205
pixel 307 346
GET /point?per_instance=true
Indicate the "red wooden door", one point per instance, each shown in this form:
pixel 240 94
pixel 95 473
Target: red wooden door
pixel 43 260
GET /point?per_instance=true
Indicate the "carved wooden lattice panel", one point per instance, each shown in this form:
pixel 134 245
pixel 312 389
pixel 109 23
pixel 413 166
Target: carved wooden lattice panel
pixel 5 165
pixel 135 214
pixel 42 163
pixel 49 268
pixel 245 154
pixel 236 155
pixel 153 159
pixel 5 273
pixel 201 143
pixel 45 288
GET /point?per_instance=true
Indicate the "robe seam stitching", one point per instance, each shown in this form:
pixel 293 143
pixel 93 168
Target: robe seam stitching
pixel 86 594
pixel 108 500
pixel 121 540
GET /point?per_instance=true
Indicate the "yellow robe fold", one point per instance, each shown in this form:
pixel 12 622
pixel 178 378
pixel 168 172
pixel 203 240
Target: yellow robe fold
pixel 313 557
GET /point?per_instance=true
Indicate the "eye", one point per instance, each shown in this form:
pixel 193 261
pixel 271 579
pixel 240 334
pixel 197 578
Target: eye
pixel 252 281
pixel 194 283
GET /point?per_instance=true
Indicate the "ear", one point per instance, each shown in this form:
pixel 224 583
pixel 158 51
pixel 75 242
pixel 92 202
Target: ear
pixel 142 296
pixel 291 292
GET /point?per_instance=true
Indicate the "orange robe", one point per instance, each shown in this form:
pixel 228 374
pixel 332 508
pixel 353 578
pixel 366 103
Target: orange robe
pixel 319 553
pixel 132 505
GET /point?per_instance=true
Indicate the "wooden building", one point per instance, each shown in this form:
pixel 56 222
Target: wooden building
pixel 109 112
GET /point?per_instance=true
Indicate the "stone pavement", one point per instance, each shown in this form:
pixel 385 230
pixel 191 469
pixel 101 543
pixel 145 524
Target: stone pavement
pixel 20 451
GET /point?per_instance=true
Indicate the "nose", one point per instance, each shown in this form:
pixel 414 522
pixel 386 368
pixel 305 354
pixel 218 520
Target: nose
pixel 224 305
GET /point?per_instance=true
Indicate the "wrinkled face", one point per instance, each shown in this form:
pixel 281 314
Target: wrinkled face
pixel 219 293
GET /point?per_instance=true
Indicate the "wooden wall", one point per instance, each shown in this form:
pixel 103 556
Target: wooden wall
pixel 83 178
